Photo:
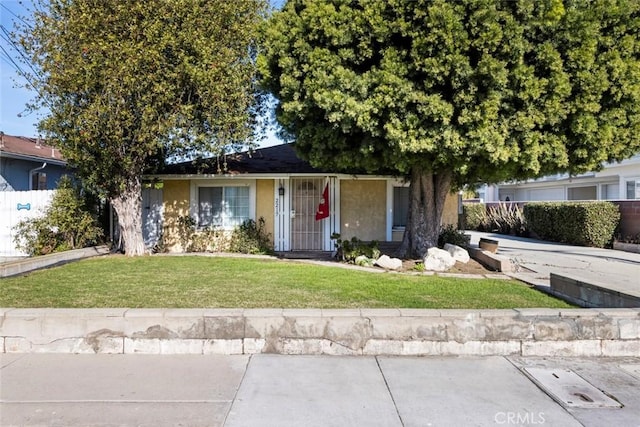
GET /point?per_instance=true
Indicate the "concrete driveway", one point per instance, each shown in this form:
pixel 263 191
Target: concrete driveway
pixel 616 270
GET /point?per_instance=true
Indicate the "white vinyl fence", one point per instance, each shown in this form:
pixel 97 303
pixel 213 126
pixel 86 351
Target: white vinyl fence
pixel 16 206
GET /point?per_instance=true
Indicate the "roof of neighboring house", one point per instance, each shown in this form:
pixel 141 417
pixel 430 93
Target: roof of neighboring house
pixel 32 149
pixel 276 159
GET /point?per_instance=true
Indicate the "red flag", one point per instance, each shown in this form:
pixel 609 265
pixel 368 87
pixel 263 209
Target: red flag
pixel 323 207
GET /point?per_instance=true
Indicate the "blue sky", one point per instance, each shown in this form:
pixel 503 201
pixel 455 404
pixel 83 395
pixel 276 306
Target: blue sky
pixel 14 120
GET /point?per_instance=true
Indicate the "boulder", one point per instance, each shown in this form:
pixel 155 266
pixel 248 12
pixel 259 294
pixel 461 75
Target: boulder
pixel 389 263
pixel 457 253
pixel 438 260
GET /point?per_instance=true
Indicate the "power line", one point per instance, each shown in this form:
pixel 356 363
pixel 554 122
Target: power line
pixel 6 60
pixel 24 24
pixel 16 15
pixel 8 39
pixel 7 57
pixel 12 53
pixel 5 35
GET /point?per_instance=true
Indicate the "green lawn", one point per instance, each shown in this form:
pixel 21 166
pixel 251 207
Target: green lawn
pixel 192 281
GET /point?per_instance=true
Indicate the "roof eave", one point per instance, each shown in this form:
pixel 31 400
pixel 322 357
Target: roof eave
pixel 49 160
pixel 176 177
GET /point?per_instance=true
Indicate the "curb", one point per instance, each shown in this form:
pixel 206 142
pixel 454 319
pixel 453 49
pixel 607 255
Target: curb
pixel 589 294
pixel 398 332
pixel 14 268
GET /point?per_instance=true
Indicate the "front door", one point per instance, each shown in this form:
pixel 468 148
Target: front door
pixel 306 233
pixel 151 216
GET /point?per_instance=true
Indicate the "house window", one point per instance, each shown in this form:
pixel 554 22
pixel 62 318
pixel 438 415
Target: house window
pixel 582 193
pixel 225 207
pixel 39 181
pixel 633 189
pixel 610 191
pixel 400 206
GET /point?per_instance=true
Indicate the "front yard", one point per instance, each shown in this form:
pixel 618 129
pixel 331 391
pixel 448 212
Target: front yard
pixel 209 282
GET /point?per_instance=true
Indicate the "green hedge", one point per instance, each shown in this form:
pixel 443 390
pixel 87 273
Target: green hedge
pixel 577 223
pixel 474 216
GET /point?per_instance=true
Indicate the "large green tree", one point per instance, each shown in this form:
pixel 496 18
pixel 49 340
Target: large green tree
pixel 448 92
pixel 129 83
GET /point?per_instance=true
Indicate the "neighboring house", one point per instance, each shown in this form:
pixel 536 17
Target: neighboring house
pixel 302 206
pixel 28 164
pixel 616 181
pixel 27 168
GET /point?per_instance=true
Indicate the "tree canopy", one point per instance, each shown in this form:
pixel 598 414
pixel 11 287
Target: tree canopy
pixel 129 83
pixel 452 92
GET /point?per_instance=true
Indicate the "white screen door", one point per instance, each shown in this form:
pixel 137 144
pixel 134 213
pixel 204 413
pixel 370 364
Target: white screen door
pixel 306 233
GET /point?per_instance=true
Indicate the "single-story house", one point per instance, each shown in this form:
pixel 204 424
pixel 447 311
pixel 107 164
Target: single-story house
pixel 302 206
pixel 616 181
pixel 29 164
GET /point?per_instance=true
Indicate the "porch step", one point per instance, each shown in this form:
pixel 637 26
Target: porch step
pixel 317 255
pixel 388 248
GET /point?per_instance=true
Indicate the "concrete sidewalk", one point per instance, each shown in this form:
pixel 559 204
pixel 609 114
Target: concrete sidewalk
pixel 613 269
pixel 274 390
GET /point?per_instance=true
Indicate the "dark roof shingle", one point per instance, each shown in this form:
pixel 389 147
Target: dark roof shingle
pixel 277 159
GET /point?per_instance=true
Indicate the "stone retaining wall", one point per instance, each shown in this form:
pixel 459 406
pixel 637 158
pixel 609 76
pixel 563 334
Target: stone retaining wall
pixel 407 332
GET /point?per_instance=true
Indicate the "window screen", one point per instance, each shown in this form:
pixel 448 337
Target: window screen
pixel 633 190
pixel 225 207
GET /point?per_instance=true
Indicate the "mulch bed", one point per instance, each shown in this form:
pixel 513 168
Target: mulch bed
pixel 472 267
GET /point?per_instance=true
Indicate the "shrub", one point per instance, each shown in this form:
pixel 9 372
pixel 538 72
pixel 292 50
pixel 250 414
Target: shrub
pixel 67 223
pixel 506 219
pixel 186 232
pixel 474 216
pixel 452 235
pixel 212 240
pixel 349 250
pixel 251 238
pixel 248 238
pixel 578 223
pixel 160 246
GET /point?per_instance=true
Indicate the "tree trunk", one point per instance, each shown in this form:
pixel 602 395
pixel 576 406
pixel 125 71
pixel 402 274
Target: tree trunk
pixel 428 193
pixel 128 207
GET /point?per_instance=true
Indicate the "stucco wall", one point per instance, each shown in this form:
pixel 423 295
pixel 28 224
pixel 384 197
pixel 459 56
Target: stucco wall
pixel 449 216
pixel 450 212
pixel 362 206
pixel 363 209
pixel 176 204
pixel 264 203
